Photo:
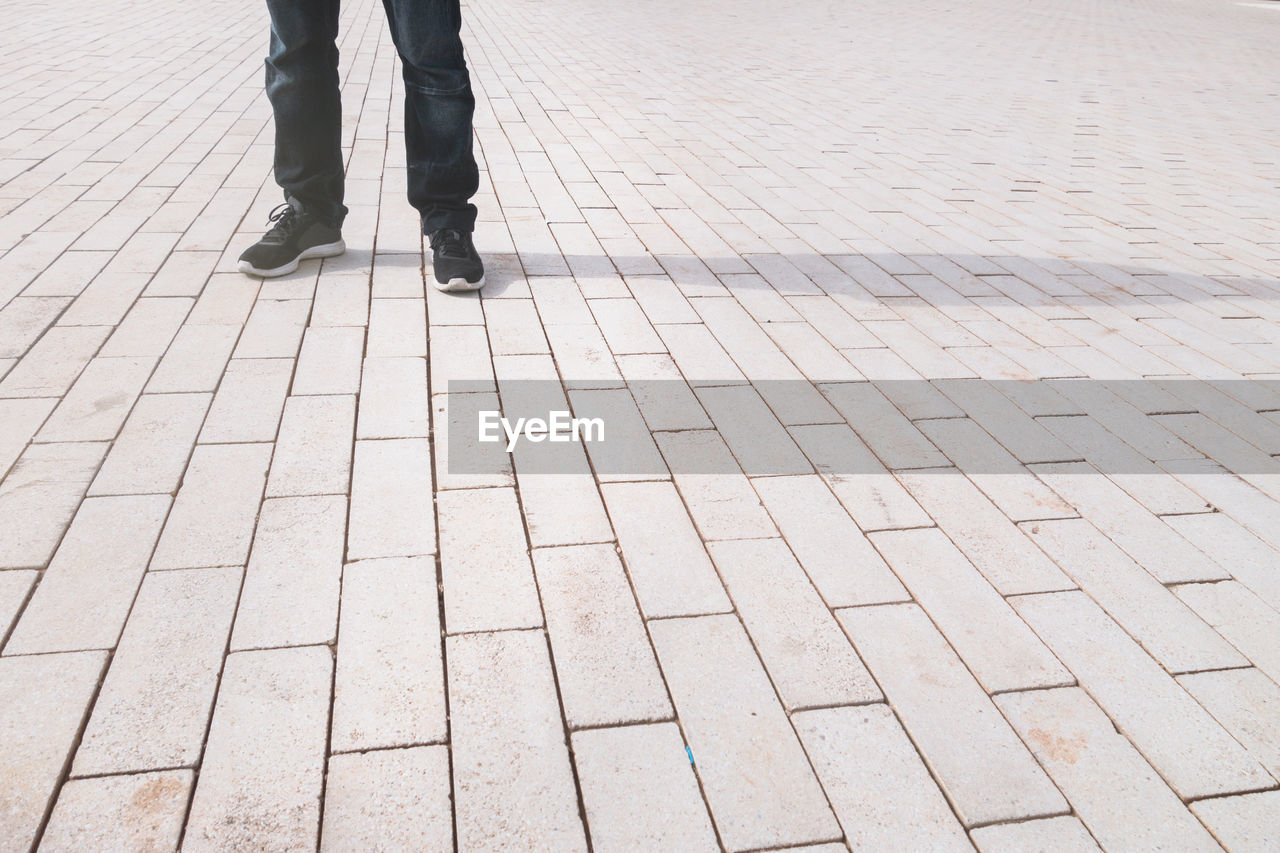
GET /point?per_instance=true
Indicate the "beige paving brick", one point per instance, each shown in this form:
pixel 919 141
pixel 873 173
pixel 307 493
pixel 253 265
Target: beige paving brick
pixel 14 588
pixel 226 300
pixel 742 338
pixel 51 366
pixel 249 401
pixel 154 445
pixel 1240 616
pixel 1168 630
pixel 666 561
pixel 860 482
pixel 1190 750
pixel 998 647
pixel 393 398
pixel 19 420
pixel 106 300
pixel 313 451
pixel 1255 511
pixel 583 357
pixel 639 790
pixel 998 549
pixel 461 354
pixel 341 300
pixel 880 789
pixel 604 665
pixel 1165 554
pixel 1250 560
pixel 142 812
pixel 43 700
pixel 38 498
pixel 148 328
pixel 195 360
pixel 213 516
pixel 988 775
pixel 329 362
pixel 154 706
pixel 625 327
pixel 290 595
pixel 86 592
pixel 261 778
pixel 488 577
pixel 563 508
pixel 1066 833
pixel 816 357
pixel 99 402
pixel 760 788
pixel 558 299
pixel 1247 703
pixel 808 658
pixel 24 320
pixel 389 688
pixel 274 329
pixel 514 327
pixel 391 507
pixel 460 309
pixel 1246 823
pixel 182 274
pixel 397 327
pixel 388 799
pixel 700 358
pixel 68 275
pixel 719 496
pixel 661 299
pixel 1121 800
pixel 512 783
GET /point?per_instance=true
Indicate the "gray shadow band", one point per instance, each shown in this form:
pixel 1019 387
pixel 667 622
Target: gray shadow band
pixel 657 428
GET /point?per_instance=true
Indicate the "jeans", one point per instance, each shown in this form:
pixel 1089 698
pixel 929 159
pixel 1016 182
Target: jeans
pixel 302 85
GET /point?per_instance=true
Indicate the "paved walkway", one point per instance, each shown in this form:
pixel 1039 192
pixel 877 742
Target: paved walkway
pixel 264 589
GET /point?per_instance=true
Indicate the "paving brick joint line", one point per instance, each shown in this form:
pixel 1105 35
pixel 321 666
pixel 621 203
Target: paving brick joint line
pixel 935 353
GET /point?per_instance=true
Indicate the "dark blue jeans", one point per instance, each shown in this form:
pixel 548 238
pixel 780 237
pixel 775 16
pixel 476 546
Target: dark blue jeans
pixel 302 84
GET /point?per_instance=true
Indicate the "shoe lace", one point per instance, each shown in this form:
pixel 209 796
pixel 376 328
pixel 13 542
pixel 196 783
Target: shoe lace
pixel 283 218
pixel 449 243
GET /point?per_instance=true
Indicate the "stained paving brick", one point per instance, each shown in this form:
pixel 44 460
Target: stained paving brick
pixel 989 774
pixel 145 811
pixel 1116 793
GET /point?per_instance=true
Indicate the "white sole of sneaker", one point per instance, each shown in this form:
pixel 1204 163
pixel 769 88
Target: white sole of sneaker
pixel 458 285
pixel 324 250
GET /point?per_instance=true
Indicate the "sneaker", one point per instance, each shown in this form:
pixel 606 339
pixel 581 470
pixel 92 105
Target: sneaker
pixel 294 236
pixel 456 262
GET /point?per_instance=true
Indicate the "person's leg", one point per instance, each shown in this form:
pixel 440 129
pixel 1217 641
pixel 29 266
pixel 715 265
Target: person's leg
pixel 302 85
pixel 438 109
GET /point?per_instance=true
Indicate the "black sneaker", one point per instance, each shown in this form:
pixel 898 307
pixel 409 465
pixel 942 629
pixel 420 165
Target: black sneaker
pixel 294 236
pixel 456 262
